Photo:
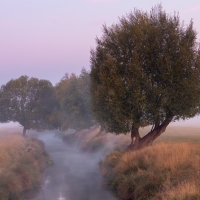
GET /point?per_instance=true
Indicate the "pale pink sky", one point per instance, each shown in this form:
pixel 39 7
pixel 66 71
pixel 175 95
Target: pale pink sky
pixel 48 38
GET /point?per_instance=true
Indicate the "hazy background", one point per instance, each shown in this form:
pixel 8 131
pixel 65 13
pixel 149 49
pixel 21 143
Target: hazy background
pixel 48 38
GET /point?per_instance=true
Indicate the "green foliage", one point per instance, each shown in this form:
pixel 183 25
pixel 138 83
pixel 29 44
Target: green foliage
pixel 28 101
pixel 73 94
pixel 144 70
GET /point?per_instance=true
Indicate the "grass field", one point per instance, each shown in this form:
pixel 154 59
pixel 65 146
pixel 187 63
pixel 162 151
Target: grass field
pixel 21 163
pixel 165 171
pixel 168 170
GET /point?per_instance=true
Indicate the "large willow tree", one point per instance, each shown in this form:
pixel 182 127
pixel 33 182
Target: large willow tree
pixel 145 70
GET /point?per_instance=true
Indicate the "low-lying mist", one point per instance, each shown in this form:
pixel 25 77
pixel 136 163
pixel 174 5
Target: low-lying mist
pixel 74 176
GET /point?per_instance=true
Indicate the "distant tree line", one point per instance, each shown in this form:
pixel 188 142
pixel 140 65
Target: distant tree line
pixel 38 105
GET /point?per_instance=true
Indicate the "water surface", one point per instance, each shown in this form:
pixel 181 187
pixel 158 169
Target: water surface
pixel 74 176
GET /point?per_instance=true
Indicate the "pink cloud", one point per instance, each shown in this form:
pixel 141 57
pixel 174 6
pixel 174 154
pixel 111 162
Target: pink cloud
pixel 193 9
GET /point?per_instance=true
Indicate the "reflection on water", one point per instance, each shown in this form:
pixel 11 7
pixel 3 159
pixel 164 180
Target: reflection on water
pixel 74 175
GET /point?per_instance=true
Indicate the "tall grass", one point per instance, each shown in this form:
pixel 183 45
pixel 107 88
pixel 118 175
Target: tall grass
pixel 166 171
pixel 21 163
pixel 170 170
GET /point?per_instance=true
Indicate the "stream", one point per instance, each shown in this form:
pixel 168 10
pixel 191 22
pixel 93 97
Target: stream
pixel 74 176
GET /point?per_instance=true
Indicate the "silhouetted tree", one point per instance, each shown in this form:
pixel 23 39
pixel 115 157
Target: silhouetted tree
pixel 145 71
pixel 28 101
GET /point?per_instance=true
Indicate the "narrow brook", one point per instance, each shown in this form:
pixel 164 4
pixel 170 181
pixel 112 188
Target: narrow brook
pixel 74 175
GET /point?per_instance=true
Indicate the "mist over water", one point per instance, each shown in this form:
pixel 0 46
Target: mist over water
pixel 74 176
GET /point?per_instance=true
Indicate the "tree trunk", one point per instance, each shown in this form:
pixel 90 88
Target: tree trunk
pixel 137 142
pixel 24 131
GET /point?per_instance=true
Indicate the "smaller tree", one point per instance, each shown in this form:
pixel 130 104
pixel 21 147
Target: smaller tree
pixel 73 94
pixel 28 101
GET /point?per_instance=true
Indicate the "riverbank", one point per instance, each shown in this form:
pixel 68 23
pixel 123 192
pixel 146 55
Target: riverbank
pixel 165 171
pixel 168 170
pixel 21 166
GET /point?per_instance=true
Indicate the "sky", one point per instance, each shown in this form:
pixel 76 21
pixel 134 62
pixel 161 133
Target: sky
pixel 48 38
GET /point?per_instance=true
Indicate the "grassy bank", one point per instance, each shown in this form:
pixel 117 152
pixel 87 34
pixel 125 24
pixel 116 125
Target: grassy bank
pixel 21 163
pixel 92 140
pixel 166 171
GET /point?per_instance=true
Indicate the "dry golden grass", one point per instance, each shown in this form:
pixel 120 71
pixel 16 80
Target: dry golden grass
pixel 21 163
pixel 166 171
pixel 187 190
pixel 11 147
